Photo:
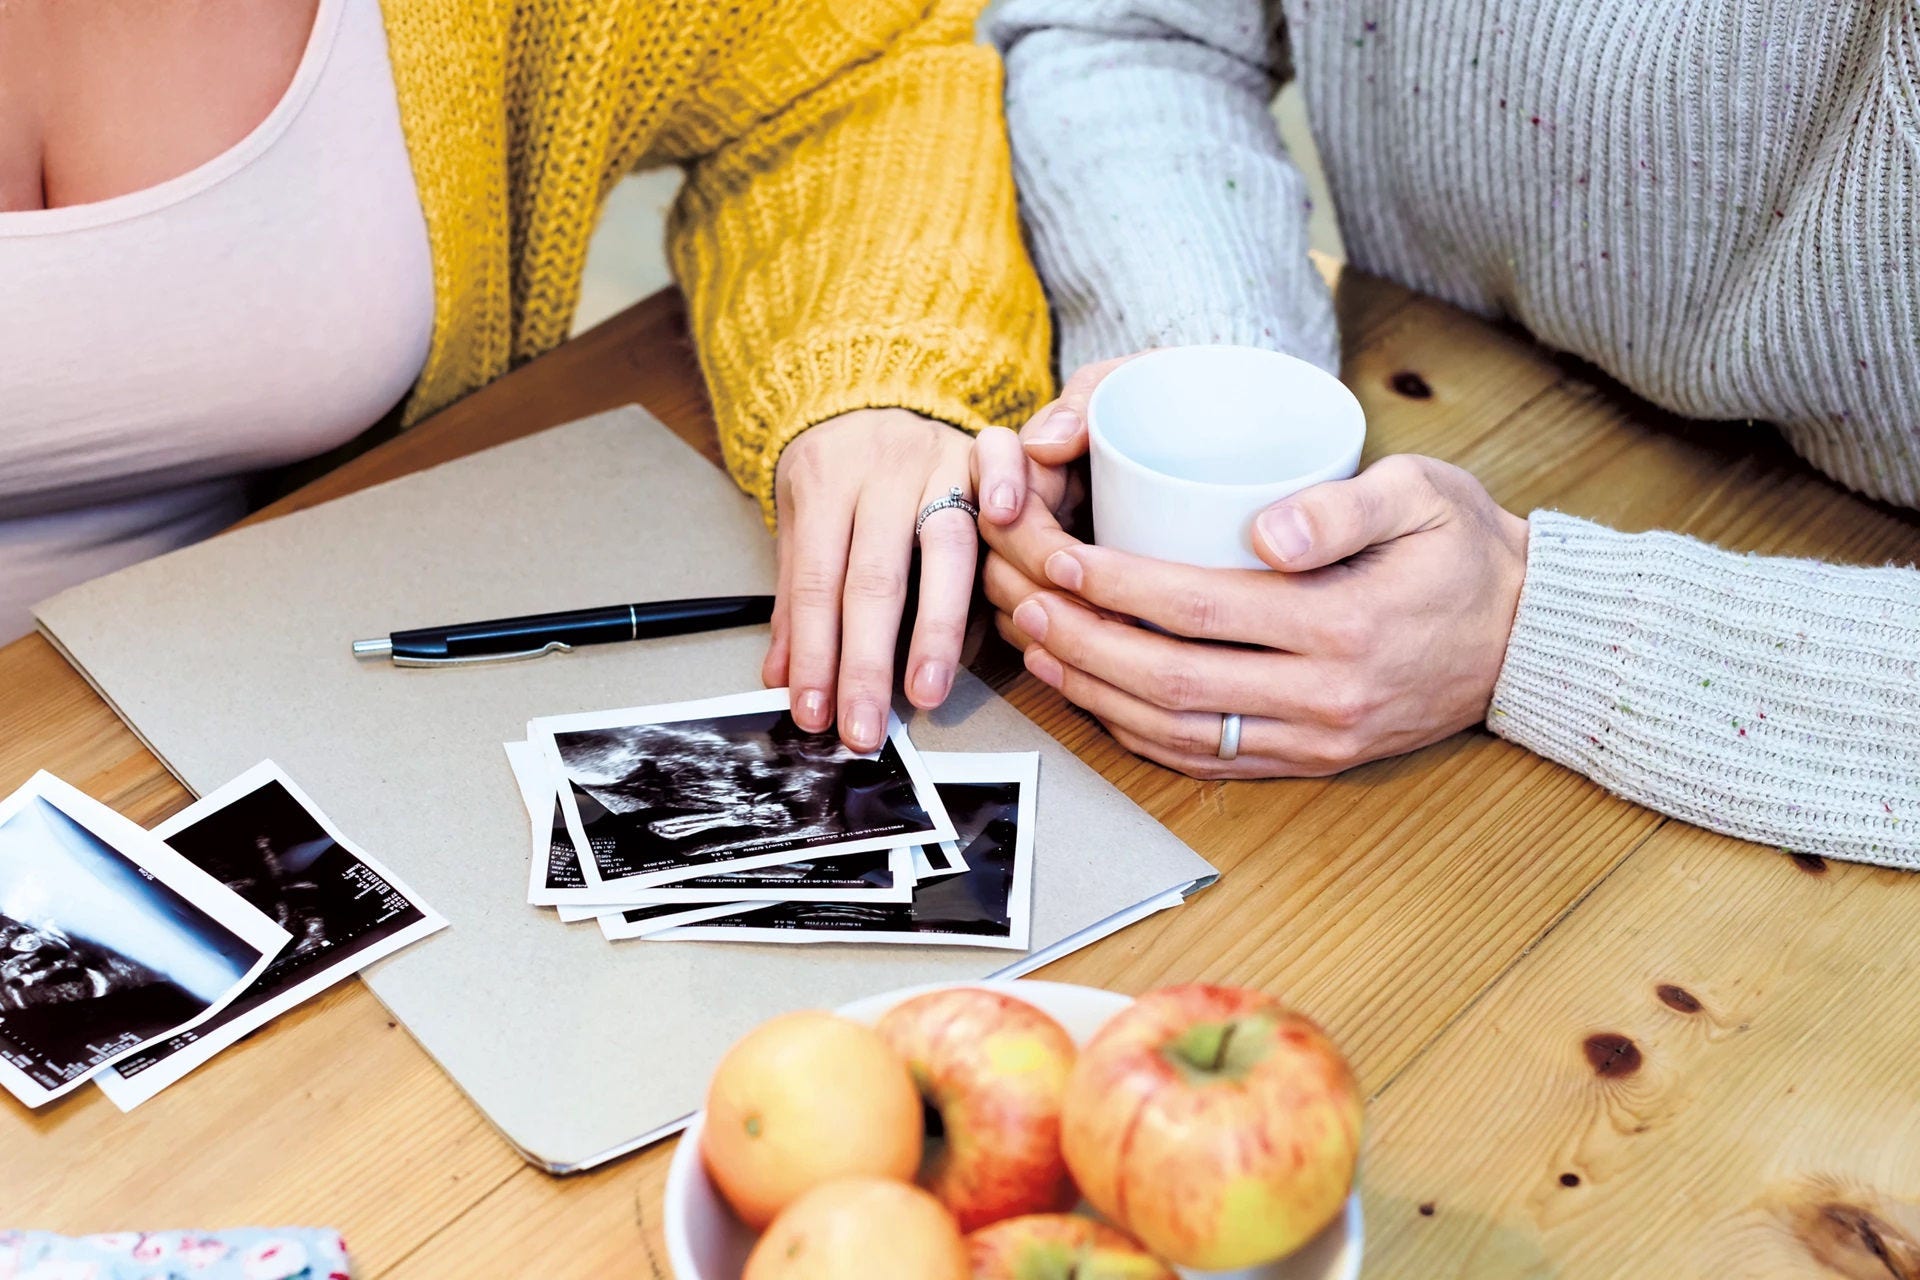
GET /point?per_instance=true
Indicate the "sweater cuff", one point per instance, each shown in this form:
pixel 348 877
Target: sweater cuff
pixel 1561 682
pixel 932 370
pixel 1768 699
pixel 1089 334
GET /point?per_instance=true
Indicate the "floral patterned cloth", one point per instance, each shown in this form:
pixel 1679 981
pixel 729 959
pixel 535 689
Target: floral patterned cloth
pixel 296 1253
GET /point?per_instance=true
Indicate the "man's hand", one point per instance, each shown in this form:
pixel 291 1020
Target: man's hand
pixel 1010 470
pixel 1384 629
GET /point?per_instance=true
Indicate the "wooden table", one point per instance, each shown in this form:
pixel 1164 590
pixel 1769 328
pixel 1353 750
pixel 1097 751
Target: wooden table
pixel 1597 1042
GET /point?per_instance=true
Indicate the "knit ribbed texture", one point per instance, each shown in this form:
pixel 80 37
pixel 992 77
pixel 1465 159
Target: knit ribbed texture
pixel 1718 204
pixel 1772 699
pixel 1161 204
pixel 847 237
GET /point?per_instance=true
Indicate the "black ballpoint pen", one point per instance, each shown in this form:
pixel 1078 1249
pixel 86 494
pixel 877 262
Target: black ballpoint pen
pixel 506 639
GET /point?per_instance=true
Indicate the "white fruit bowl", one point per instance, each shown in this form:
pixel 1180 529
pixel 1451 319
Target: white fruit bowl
pixel 706 1242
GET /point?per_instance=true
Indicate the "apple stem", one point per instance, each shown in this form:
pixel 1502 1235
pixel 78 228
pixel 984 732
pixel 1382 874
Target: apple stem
pixel 1202 1047
pixel 1220 1049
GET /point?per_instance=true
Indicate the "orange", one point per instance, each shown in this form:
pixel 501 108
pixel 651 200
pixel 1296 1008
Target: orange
pixel 803 1099
pixel 861 1229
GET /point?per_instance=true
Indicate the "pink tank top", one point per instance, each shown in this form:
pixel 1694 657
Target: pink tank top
pixel 159 348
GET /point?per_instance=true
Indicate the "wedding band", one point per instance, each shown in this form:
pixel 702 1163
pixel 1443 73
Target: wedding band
pixel 956 499
pixel 1229 736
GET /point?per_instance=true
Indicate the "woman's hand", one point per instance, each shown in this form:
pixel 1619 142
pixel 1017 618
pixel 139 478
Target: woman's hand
pixel 846 495
pixel 1384 630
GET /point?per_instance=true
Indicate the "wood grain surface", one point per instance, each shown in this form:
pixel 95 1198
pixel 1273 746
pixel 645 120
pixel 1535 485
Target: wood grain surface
pixel 1597 1042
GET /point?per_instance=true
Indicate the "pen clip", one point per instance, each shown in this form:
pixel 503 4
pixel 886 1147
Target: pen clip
pixel 480 659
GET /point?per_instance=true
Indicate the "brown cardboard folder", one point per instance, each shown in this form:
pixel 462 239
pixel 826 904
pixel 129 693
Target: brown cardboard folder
pixel 578 1049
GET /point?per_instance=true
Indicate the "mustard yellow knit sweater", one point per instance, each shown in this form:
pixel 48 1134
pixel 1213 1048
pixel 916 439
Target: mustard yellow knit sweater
pixel 847 237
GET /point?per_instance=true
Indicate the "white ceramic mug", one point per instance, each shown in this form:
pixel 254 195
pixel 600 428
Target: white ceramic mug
pixel 1189 444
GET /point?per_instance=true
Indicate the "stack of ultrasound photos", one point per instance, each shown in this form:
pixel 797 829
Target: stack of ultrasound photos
pixel 724 821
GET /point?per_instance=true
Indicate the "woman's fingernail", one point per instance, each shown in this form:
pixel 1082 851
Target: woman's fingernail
pixel 812 711
pixel 1055 427
pixel 1046 668
pixel 863 728
pixel 1032 619
pixel 1000 500
pixel 1064 570
pixel 1285 530
pixel 930 685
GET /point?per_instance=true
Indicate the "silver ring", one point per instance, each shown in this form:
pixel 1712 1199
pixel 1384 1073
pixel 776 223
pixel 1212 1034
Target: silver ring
pixel 956 499
pixel 1229 736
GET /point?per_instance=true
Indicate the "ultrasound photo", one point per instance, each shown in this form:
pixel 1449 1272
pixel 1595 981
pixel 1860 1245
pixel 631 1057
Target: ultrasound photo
pixel 931 861
pixel 108 940
pixel 883 875
pixel 665 794
pixel 990 798
pixel 639 922
pixel 261 837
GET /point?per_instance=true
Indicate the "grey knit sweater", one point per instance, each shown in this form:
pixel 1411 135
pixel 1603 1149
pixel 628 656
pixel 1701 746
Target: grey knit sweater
pixel 1718 203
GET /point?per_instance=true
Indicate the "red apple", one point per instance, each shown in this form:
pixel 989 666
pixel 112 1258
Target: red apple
pixel 1059 1246
pixel 993 1069
pixel 1214 1124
